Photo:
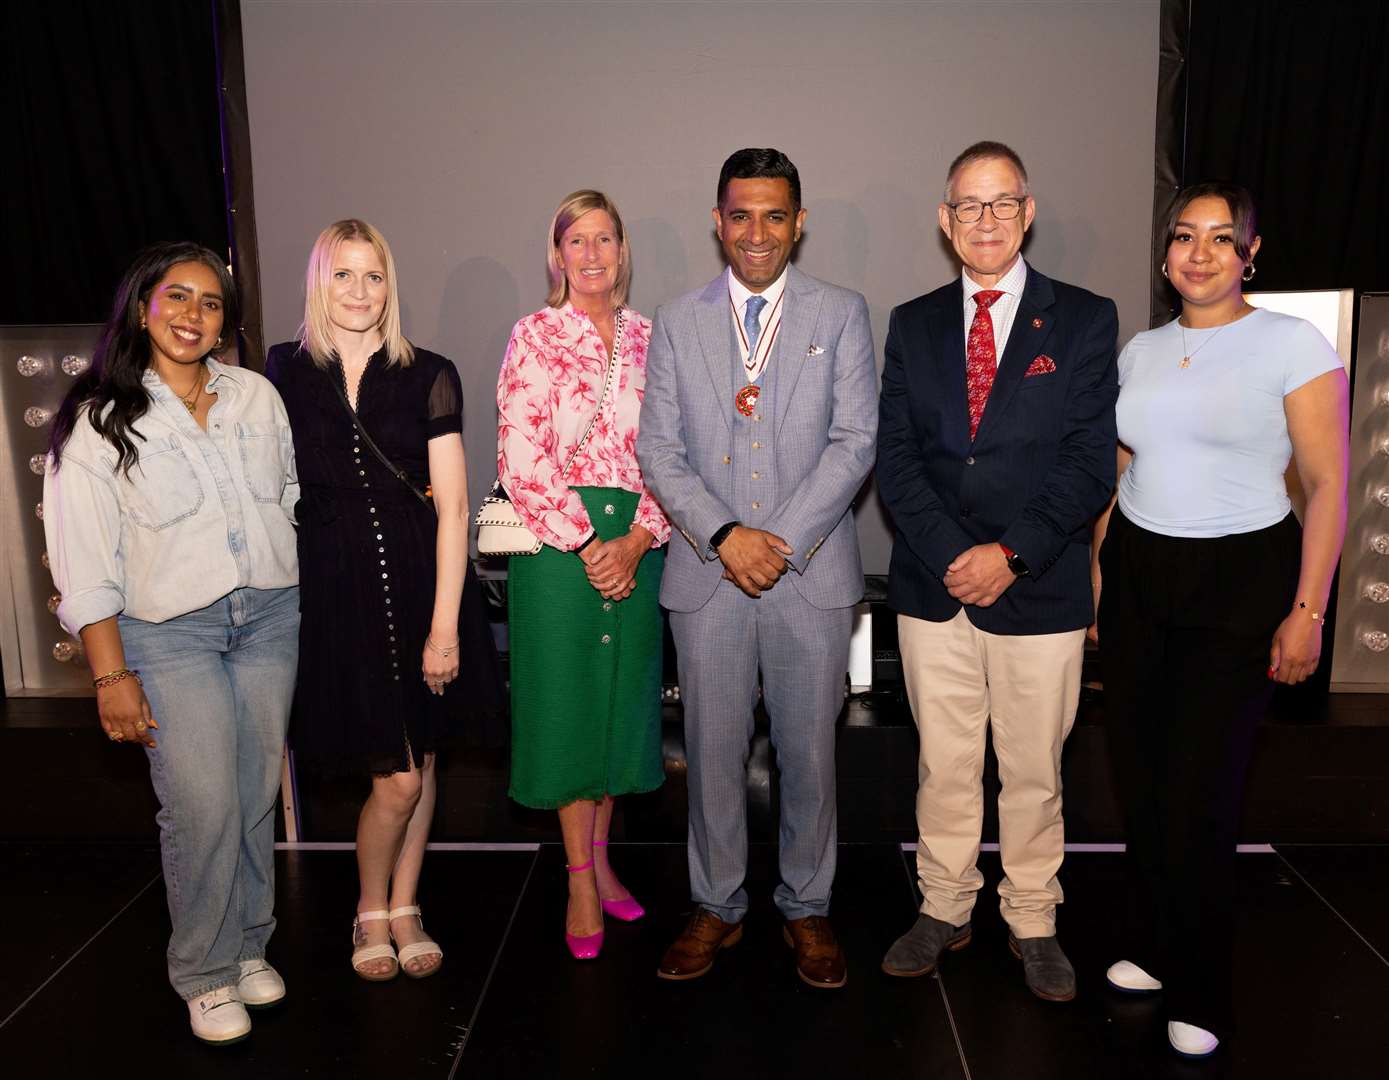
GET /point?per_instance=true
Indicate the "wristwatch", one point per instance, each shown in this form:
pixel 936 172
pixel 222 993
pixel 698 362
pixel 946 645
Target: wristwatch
pixel 722 535
pixel 1015 562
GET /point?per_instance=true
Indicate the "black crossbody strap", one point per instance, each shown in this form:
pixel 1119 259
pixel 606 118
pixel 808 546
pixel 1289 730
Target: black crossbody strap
pixel 399 474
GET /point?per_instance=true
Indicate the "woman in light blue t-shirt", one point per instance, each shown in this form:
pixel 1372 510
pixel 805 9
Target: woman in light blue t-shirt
pixel 1212 592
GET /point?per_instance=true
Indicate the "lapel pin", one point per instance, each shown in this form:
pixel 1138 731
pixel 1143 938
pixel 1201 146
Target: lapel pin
pixel 1036 324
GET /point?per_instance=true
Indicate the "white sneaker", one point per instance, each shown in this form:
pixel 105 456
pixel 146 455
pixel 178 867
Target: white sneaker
pixel 260 984
pixel 219 1017
pixel 1131 979
pixel 1190 1040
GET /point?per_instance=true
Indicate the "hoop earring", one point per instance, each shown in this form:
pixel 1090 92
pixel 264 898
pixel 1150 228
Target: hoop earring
pixel 1248 274
pixel 1164 269
pixel 218 343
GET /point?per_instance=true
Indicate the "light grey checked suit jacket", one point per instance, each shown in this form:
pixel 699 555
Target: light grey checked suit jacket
pixel 823 416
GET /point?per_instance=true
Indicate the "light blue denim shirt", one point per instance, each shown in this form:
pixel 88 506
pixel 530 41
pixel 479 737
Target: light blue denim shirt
pixel 200 514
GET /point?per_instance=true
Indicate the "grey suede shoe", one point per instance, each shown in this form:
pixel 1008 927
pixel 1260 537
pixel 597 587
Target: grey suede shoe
pixel 1048 973
pixel 919 950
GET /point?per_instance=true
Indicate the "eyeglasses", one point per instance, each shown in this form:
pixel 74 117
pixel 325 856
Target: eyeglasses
pixel 971 210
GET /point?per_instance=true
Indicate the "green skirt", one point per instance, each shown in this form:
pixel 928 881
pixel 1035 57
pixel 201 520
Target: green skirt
pixel 585 672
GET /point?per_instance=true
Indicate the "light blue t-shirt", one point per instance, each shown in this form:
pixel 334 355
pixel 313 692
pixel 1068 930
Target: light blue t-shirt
pixel 1210 441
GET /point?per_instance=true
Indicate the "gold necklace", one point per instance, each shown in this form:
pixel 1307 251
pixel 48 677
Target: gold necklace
pixel 1188 356
pixel 192 406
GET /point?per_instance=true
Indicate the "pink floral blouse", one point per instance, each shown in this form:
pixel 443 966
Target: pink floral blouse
pixel 550 383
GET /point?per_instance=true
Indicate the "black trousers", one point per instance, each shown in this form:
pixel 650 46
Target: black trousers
pixel 1185 627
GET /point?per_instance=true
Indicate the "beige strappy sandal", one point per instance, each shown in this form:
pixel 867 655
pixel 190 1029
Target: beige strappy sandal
pixel 364 953
pixel 417 949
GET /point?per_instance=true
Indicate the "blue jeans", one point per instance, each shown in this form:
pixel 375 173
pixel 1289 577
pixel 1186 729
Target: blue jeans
pixel 219 682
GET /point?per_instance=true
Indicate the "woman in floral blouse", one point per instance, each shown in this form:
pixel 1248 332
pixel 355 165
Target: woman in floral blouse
pixel 585 626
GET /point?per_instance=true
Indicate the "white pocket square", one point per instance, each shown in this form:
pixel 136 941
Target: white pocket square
pixel 815 350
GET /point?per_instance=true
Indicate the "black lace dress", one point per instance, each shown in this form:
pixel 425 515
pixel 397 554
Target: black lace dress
pixel 367 566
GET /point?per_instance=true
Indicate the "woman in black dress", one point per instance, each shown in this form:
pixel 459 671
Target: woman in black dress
pixel 394 645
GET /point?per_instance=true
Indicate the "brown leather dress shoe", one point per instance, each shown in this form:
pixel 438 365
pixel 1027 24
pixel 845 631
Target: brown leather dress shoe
pixel 693 952
pixel 819 959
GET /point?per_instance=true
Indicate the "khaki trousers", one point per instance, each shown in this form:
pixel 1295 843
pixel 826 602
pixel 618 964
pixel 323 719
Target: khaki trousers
pixel 961 682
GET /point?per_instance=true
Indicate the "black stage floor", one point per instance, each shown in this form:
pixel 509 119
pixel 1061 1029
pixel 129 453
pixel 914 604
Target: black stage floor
pixel 85 992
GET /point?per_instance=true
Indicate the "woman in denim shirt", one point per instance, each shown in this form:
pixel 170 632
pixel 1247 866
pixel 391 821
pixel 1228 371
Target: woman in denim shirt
pixel 168 504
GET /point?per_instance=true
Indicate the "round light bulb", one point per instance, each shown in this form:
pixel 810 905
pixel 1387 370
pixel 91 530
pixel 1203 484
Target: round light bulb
pixel 74 365
pixel 37 416
pixel 29 366
pixel 38 511
pixel 63 651
pixel 1375 640
pixel 53 602
pixel 38 463
pixel 1382 495
pixel 1379 543
pixel 43 559
pixel 1377 592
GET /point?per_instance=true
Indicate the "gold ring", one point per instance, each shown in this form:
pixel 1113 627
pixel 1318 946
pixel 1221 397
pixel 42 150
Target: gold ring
pixel 141 726
pixel 115 736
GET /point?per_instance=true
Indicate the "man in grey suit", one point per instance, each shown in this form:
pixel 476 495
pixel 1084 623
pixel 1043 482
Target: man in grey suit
pixel 757 429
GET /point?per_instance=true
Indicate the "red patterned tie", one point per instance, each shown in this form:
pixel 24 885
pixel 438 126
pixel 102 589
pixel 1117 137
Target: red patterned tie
pixel 981 361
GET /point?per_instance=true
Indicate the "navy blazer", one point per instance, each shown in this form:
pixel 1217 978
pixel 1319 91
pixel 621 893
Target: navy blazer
pixel 1039 470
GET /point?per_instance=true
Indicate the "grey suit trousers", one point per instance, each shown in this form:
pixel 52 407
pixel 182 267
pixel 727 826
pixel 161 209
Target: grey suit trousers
pixel 802 652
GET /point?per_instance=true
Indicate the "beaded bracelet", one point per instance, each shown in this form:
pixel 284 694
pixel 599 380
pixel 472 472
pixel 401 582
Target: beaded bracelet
pixel 113 677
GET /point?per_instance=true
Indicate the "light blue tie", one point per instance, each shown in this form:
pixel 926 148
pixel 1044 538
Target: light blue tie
pixel 751 321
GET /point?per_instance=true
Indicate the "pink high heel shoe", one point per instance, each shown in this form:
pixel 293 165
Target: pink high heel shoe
pixel 627 910
pixel 588 946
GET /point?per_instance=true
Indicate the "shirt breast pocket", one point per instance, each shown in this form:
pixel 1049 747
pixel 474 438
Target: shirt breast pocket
pixel 262 460
pixel 162 487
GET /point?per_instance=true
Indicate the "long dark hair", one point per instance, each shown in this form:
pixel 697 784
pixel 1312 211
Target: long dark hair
pixel 123 353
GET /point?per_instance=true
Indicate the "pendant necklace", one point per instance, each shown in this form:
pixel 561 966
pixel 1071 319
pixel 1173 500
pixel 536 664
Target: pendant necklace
pixel 192 406
pixel 1188 356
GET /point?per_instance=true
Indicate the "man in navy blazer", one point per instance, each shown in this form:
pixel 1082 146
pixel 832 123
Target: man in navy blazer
pixel 996 446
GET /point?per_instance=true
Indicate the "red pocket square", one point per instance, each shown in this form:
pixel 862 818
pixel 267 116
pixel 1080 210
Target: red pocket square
pixel 1042 365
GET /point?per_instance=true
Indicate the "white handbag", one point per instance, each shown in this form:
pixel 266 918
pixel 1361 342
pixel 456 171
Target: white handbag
pixel 500 530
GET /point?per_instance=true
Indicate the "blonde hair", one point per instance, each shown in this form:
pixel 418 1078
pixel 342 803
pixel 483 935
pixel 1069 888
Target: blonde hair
pixel 316 331
pixel 574 206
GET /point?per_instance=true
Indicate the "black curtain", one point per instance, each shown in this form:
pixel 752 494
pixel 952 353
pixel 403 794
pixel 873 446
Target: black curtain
pixel 112 141
pixel 1291 99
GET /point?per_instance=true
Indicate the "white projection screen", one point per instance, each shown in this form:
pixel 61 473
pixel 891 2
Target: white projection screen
pixel 457 127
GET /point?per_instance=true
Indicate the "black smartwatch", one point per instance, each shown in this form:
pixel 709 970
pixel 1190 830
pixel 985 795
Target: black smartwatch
pixel 722 534
pixel 1015 562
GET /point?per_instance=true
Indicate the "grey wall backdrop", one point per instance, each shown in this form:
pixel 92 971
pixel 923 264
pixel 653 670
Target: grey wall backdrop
pixel 457 127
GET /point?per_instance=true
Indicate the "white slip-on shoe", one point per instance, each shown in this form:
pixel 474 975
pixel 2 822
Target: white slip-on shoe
pixel 1190 1040
pixel 1131 979
pixel 219 1017
pixel 260 985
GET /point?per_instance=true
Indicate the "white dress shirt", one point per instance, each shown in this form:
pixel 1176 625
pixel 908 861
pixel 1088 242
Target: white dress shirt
pixel 739 293
pixel 1004 309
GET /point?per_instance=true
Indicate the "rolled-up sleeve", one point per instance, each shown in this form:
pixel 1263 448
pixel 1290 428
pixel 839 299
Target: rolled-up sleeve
pixel 82 526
